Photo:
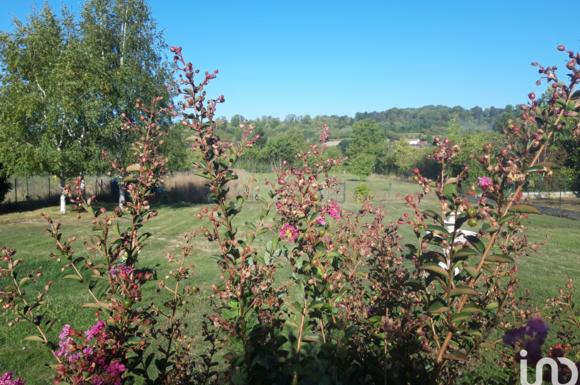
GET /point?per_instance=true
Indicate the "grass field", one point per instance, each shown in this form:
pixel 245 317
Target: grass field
pixel 543 272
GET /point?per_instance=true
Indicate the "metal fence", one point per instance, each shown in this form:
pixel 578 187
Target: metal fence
pixel 37 191
pixel 45 188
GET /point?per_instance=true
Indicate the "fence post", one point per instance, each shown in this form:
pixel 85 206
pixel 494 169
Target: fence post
pixel 48 188
pixel 27 191
pixel 15 190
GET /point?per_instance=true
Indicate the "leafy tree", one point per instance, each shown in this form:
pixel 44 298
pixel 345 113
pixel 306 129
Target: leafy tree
pixel 124 44
pixel 366 138
pixel 66 85
pixel 365 146
pixel 49 119
pixel 362 165
pixel 284 147
pixel 471 144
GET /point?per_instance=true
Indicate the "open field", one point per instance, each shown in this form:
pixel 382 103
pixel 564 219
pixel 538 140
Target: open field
pixel 542 272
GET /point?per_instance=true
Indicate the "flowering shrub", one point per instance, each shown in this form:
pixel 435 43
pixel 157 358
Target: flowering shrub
pixel 8 379
pixel 309 292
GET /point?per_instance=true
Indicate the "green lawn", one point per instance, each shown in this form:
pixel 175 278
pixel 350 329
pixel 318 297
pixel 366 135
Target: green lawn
pixel 543 272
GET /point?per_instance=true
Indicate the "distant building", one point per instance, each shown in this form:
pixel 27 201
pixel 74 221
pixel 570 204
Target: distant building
pixel 417 143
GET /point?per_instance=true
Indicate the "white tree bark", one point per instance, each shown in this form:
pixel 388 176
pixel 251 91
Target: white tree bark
pixel 62 196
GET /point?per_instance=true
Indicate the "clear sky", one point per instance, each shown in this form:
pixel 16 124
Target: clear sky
pixel 282 57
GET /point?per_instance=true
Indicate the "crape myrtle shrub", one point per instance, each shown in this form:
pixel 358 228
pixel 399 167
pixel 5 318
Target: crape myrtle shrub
pixel 358 303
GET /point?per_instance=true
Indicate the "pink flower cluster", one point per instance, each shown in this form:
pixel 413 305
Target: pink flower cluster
pixel 8 379
pixel 485 182
pixel 89 360
pixel 121 270
pixel 289 232
pixel 333 210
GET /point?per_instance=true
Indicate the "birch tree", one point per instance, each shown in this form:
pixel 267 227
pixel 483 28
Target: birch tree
pixel 49 110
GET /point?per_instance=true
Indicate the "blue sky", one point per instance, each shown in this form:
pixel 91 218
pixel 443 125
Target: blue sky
pixel 340 57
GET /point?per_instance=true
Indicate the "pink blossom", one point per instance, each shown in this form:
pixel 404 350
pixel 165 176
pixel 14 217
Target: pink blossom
pixel 65 332
pixel 485 182
pixel 333 210
pixel 8 379
pixel 115 369
pixel 288 232
pixel 321 220
pixel 121 270
pixel 95 330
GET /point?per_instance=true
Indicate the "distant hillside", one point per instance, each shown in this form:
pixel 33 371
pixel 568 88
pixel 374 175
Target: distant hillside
pixel 396 122
pixel 435 119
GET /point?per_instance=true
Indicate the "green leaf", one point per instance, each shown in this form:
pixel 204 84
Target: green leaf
pixel 492 306
pixel 463 254
pixel 438 307
pixel 436 269
pixel 463 290
pixel 476 243
pixel 471 309
pixel 450 190
pixel 462 316
pixel 470 270
pixel 437 229
pixel 73 276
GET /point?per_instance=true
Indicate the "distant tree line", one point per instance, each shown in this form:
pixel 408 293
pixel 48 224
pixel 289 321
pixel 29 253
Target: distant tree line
pixel 374 142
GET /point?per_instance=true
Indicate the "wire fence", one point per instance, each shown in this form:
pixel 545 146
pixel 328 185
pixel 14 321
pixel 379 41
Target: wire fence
pixel 45 188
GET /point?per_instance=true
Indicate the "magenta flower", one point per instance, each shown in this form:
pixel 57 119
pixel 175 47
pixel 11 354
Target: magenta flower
pixel 321 220
pixel 8 379
pixel 95 330
pixel 115 369
pixel 289 232
pixel 333 210
pixel 65 332
pixel 485 182
pixel 121 270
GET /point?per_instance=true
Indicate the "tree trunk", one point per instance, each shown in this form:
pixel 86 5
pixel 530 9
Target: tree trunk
pixel 62 195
